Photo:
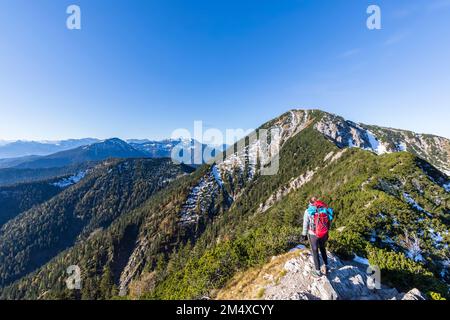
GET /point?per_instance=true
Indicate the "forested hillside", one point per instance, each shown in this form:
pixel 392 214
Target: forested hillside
pixel 21 197
pixel 83 209
pixel 12 176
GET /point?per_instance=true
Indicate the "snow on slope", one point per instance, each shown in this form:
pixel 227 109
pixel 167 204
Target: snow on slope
pixel 447 187
pixel 375 145
pixel 349 134
pixel 415 205
pixel 66 182
pixel 239 166
pixel 345 133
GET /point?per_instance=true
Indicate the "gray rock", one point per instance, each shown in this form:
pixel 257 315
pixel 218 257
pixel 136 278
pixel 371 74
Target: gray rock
pixel 344 282
pixel 323 289
pixel 413 294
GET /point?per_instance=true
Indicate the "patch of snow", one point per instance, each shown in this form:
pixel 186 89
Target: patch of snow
pixel 200 199
pixel 445 267
pixel 299 247
pixel 382 216
pixel 66 182
pixel 414 252
pixel 247 154
pixel 415 256
pixel 395 222
pixel 415 205
pixel 373 236
pixel 447 187
pixel 350 143
pixel 388 240
pixel 412 202
pixel 376 146
pixel 401 146
pixel 360 260
pixel 217 176
pixel 372 140
pixel 436 237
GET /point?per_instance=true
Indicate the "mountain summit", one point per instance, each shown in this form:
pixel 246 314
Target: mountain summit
pixel 346 133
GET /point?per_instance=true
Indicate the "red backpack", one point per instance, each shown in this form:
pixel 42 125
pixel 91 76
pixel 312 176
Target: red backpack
pixel 321 220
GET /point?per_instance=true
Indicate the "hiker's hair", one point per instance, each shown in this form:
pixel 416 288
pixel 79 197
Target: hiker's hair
pixel 313 199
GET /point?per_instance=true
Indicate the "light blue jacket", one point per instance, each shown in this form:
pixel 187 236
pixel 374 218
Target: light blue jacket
pixel 309 216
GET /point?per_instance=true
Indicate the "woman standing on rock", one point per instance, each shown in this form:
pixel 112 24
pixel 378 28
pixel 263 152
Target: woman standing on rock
pixel 316 224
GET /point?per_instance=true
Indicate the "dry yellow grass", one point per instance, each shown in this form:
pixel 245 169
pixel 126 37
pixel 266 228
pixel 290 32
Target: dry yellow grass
pixel 251 284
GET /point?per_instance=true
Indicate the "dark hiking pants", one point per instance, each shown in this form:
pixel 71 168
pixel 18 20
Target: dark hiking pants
pixel 316 245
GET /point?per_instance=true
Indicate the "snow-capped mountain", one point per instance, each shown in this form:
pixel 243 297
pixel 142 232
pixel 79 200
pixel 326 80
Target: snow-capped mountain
pixel 158 149
pixel 163 148
pixel 111 148
pixel 345 133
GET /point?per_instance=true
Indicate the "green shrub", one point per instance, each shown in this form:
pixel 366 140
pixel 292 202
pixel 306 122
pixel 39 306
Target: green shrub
pixel 403 273
pixel 346 244
pixel 435 296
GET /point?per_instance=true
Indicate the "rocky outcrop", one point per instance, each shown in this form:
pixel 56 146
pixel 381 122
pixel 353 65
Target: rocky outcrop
pixel 289 277
pixel 414 294
pixel 344 282
pixel 293 185
pixel 345 133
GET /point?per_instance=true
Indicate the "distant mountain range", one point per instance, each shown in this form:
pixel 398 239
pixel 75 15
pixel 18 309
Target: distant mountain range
pixel 43 155
pixel 35 168
pixel 21 148
pixel 149 228
pixel 13 152
pixel 111 148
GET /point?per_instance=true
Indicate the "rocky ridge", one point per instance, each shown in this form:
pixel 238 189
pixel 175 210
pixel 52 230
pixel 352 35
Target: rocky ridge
pixel 288 277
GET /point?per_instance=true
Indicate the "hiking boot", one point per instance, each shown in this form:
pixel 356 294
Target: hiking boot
pixel 316 273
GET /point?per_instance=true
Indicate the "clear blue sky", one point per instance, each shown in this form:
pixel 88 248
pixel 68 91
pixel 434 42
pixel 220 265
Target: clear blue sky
pixel 141 69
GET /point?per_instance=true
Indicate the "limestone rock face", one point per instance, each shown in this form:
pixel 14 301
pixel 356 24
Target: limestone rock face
pixel 414 294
